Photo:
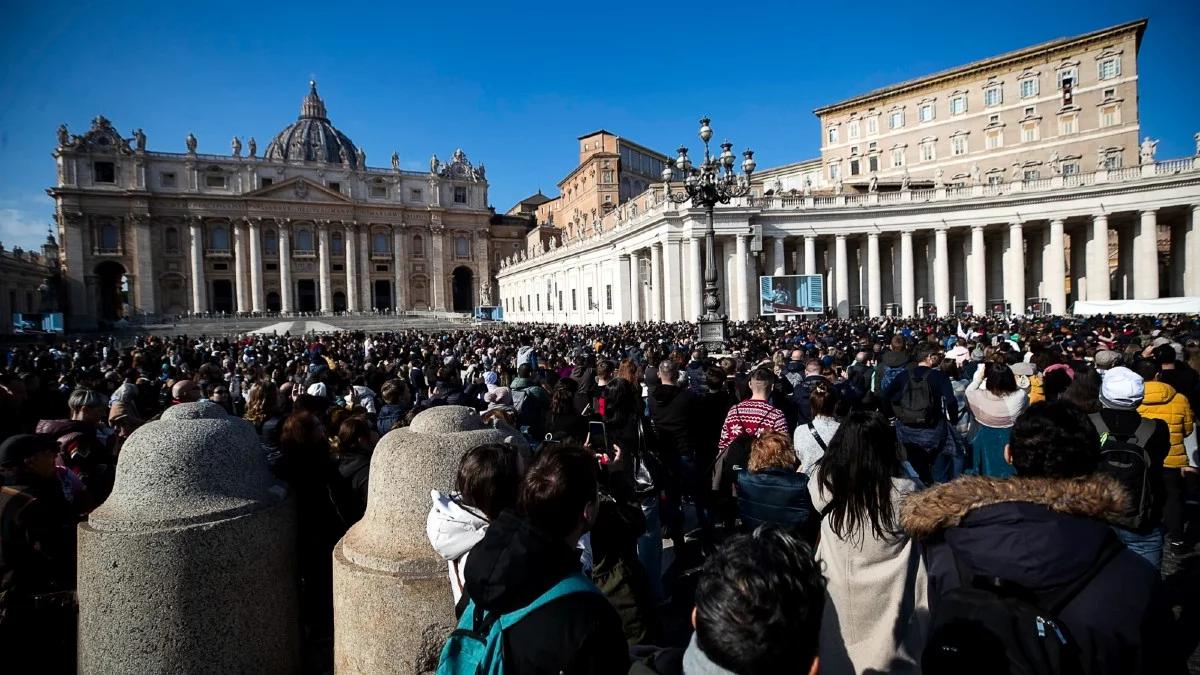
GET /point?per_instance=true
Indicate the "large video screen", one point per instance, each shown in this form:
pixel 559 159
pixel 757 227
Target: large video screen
pixel 37 323
pixel 792 294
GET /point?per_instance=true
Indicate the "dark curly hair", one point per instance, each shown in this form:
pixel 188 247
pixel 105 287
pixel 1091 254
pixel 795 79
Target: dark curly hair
pixel 1054 439
pixel 759 603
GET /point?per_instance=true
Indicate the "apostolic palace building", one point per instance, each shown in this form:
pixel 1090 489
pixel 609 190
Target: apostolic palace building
pixel 1012 184
pixel 305 226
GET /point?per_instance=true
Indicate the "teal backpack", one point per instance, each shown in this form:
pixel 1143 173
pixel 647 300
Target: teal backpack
pixel 476 646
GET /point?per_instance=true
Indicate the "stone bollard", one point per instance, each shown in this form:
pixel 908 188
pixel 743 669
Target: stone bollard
pixel 189 566
pixel 392 606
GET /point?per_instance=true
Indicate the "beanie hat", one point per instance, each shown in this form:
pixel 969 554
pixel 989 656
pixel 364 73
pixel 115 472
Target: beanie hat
pixel 1122 389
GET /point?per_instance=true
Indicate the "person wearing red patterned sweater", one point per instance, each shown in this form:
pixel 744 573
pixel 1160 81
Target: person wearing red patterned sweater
pixel 753 416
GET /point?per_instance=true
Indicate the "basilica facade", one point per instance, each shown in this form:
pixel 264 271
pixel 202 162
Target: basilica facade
pixel 306 226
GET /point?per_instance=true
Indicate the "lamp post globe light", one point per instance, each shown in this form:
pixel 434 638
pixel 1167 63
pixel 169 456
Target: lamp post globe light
pixel 714 182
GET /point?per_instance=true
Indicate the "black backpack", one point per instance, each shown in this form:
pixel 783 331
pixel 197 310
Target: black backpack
pixel 1124 457
pixel 990 626
pixel 916 399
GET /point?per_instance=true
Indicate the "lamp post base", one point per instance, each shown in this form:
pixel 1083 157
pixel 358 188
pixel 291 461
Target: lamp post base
pixel 714 333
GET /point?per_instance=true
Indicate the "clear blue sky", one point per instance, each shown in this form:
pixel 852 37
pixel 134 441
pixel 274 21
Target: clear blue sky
pixel 513 84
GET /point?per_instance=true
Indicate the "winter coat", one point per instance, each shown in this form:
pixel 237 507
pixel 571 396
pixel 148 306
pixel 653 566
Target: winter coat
pixel 509 568
pixel 389 414
pixel 1044 533
pixel 808 451
pixel 802 395
pixel 453 530
pixel 776 496
pixel 349 485
pixel 876 610
pixel 673 410
pixel 1162 402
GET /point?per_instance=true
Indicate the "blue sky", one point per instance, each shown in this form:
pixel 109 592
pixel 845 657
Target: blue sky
pixel 513 84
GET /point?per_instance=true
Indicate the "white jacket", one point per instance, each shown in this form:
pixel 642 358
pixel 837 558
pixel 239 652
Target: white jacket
pixel 453 530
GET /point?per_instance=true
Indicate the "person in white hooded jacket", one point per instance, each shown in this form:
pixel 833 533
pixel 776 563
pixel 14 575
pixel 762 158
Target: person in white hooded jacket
pixel 487 483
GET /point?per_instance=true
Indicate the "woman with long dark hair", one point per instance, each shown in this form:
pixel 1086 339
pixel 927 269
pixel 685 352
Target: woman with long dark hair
pixel 996 401
pixel 877 614
pixel 564 424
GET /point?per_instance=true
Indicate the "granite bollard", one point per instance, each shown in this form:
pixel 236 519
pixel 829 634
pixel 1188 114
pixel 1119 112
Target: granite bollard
pixel 392 606
pixel 189 566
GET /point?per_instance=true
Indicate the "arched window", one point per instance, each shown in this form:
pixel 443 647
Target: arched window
pixel 219 238
pixel 171 239
pixel 336 244
pixel 462 248
pixel 379 243
pixel 270 243
pixel 304 240
pixel 418 246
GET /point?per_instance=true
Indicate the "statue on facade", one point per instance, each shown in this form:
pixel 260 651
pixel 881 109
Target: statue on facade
pixel 395 161
pixel 362 158
pixel 1147 150
pixel 139 139
pixel 236 146
pixel 479 172
pixel 904 180
pixel 64 137
pixel 937 178
pixel 1196 138
pixel 252 146
pixel 837 187
pixel 873 184
pixel 342 156
pixel 49 296
pixel 434 164
pixel 807 186
pixel 191 143
pixel 1016 172
pixel 976 174
pixel 485 293
pixel 1054 165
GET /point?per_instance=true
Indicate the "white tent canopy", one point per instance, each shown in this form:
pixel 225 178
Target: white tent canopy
pixel 1144 306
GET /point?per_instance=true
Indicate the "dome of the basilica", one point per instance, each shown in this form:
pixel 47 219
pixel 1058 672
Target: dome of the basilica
pixel 313 137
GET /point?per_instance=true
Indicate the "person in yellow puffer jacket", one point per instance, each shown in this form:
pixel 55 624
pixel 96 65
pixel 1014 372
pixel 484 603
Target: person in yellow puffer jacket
pixel 1162 402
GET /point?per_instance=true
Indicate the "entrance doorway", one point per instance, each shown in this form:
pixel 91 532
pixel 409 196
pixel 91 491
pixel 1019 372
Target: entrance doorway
pixel 273 303
pixel 339 302
pixel 222 296
pixel 463 287
pixel 306 295
pixel 110 287
pixel 383 294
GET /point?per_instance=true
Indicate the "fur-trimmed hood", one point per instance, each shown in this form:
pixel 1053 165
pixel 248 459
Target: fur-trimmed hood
pixel 926 513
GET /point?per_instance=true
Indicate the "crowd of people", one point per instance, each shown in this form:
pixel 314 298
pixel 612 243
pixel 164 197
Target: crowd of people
pixel 866 496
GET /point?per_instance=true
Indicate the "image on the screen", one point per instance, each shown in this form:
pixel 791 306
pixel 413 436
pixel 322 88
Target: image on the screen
pixel 792 294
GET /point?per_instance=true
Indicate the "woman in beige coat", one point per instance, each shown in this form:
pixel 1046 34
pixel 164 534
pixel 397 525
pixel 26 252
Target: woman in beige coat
pixel 876 614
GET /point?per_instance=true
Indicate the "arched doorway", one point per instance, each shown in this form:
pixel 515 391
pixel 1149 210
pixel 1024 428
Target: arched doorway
pixel 110 289
pixel 463 289
pixel 222 297
pixel 383 294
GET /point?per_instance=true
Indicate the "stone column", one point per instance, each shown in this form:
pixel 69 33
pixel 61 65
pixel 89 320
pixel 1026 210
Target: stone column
pixel 908 287
pixel 1014 279
pixel 143 253
pixel 1054 270
pixel 842 274
pixel 874 280
pixel 326 290
pixel 364 267
pixel 1191 258
pixel 1145 247
pixel 190 564
pixel 257 295
pixel 240 280
pixel 399 260
pixel 656 296
pixel 777 256
pixel 285 267
pixel 392 606
pixel 1099 284
pixel 742 274
pixel 635 261
pixel 673 281
pixel 624 283
pixel 695 274
pixel 348 250
pixel 978 271
pixel 941 272
pixel 810 254
pixel 438 278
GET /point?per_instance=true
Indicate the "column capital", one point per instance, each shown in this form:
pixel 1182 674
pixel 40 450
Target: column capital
pixel 810 237
pixel 906 232
pixel 841 236
pixel 282 223
pixel 623 257
pixel 873 235
pixel 1147 212
pixel 1100 217
pixel 1015 224
pixel 254 222
pixel 978 227
pixel 658 245
pixel 1057 222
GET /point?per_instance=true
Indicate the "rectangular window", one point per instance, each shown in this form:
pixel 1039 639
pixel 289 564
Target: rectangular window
pixel 1110 93
pixel 958 104
pixel 1029 87
pixel 590 303
pixel 104 172
pixel 854 167
pixel 993 96
pixel 833 135
pixel 925 112
pixel 1067 78
pixel 560 305
pixel 896 119
pixel 993 119
pixel 835 172
pixel 928 154
pixel 166 179
pixel 608 296
pixel 1068 124
pixel 1110 68
pixel 266 182
pixel 414 195
pixel 574 304
pixel 1110 115
pixel 995 178
pixel 1029 132
pixel 1070 168
pixel 460 195
pixel 994 139
pixel 1031 174
pixel 872 125
pixel 853 132
pixel 958 146
pixel 214 180
pixel 873 163
pixel 1030 110
pixel 897 157
pixel 336 187
pixel 378 191
pixel 1112 161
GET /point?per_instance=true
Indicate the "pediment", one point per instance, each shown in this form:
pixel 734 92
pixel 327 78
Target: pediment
pixel 299 189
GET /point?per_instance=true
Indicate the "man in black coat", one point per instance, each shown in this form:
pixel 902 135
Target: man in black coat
pixel 673 410
pixel 1043 530
pixel 523 555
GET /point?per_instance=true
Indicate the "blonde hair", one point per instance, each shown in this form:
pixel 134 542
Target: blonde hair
pixel 772 450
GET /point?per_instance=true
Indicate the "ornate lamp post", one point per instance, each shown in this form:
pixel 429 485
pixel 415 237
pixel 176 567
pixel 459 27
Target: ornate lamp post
pixel 713 182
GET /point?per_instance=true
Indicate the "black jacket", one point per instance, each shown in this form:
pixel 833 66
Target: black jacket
pixel 1126 422
pixel 802 395
pixel 37 539
pixel 1043 534
pixel 509 568
pixel 673 411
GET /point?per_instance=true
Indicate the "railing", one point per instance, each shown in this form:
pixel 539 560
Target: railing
pixel 924 195
pixel 1128 173
pixel 889 197
pixel 825 201
pixel 1174 166
pixel 1035 184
